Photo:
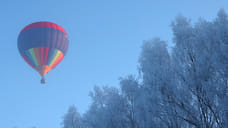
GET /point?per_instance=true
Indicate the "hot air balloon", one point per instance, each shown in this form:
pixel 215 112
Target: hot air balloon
pixel 43 45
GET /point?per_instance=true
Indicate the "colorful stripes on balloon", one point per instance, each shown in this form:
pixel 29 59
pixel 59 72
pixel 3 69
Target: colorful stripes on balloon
pixel 43 56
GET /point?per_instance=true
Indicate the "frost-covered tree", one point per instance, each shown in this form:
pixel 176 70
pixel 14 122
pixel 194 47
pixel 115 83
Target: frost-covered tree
pixel 197 58
pixel 155 69
pixel 108 109
pixel 131 92
pixel 72 119
pixel 221 28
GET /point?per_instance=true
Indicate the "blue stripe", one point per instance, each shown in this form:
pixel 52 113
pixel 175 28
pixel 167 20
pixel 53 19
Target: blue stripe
pixel 43 37
pixel 29 58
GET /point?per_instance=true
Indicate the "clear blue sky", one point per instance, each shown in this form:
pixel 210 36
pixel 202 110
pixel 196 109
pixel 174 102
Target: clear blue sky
pixel 105 39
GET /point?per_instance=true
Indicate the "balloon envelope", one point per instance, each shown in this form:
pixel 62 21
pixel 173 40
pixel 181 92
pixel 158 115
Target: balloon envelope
pixel 43 45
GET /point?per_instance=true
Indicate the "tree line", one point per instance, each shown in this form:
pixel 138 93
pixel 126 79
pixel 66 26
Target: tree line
pixel 182 87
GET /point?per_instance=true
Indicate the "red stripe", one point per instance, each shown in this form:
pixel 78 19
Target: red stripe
pixel 58 60
pixel 46 49
pixel 41 50
pixel 44 25
pixel 27 61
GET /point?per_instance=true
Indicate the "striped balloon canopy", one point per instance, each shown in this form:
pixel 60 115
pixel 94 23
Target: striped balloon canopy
pixel 43 45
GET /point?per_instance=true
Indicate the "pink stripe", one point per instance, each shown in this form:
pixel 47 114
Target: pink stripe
pixel 41 50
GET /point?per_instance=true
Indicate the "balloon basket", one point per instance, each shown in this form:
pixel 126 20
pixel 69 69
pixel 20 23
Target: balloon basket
pixel 43 81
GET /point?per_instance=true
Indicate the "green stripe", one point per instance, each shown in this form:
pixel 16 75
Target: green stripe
pixel 51 56
pixel 31 51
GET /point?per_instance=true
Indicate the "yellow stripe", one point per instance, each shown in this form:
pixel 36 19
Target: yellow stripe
pixel 56 56
pixel 31 51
